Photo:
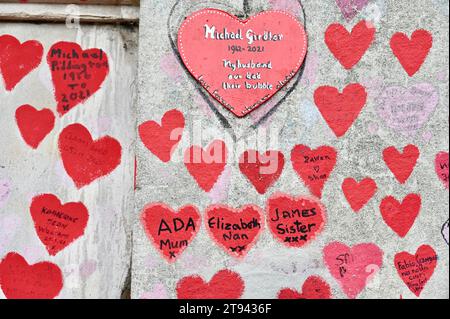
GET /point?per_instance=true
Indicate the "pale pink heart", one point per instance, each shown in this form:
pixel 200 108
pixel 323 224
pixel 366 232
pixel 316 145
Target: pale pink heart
pixel 159 291
pixel 5 191
pixel 171 67
pixel 286 5
pixel 352 267
pixel 350 8
pixel 406 110
pixel 87 268
pixel 441 167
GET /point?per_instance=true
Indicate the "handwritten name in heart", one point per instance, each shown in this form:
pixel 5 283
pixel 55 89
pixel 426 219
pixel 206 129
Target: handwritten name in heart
pixel 76 73
pixel 170 232
pixel 242 63
pixel 57 225
pixel 235 230
pixel 295 221
pixel 441 167
pixel 416 270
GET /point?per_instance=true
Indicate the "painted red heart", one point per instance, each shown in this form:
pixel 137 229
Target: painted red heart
pixel 340 110
pixel 358 194
pixel 57 225
pixel 86 160
pixel 76 73
pixel 401 164
pixel 225 284
pixel 19 280
pixel 170 232
pixel 441 167
pixel 400 216
pixel 235 230
pixel 205 166
pixel 17 60
pixel 295 221
pixel 162 139
pixel 262 170
pixel 314 287
pixel 34 125
pixel 416 270
pixel 411 53
pixel 242 63
pixel 348 48
pixel 314 166
pixel 353 267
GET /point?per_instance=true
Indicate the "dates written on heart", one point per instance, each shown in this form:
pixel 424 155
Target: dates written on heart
pixel 242 63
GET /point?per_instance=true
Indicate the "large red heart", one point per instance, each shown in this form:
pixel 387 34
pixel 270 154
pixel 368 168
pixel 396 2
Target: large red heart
pixel 57 226
pixel 314 166
pixel 235 230
pixel 206 166
pixel 441 167
pixel 401 164
pixel 349 48
pixel 295 221
pixel 76 73
pixel 262 170
pixel 340 110
pixel 17 60
pixel 19 280
pixel 314 287
pixel 416 270
pixel 86 160
pixel 170 232
pixel 358 194
pixel 225 284
pixel 242 63
pixel 162 139
pixel 353 267
pixel 34 125
pixel 411 53
pixel 400 216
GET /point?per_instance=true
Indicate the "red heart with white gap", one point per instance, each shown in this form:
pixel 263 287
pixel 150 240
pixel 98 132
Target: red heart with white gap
pixel 416 270
pixel 314 166
pixel 19 280
pixel 314 287
pixel 357 193
pixel 400 216
pixel 76 73
pixel 262 170
pixel 401 164
pixel 235 230
pixel 34 125
pixel 242 63
pixel 18 59
pixel 84 159
pixel 57 225
pixel 295 221
pixel 170 232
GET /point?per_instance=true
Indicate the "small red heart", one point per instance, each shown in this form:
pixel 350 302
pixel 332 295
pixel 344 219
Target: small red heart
pixel 340 110
pixel 295 221
pixel 57 226
pixel 225 284
pixel 19 280
pixel 411 53
pixel 416 270
pixel 76 73
pixel 314 287
pixel 358 194
pixel 401 164
pixel 17 60
pixel 400 216
pixel 262 170
pixel 86 160
pixel 170 232
pixel 314 166
pixel 235 230
pixel 34 125
pixel 349 48
pixel 206 166
pixel 162 139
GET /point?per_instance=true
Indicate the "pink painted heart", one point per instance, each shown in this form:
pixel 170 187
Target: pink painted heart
pixel 352 266
pixel 406 110
pixel 440 165
pixel 242 63
pixel 350 8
